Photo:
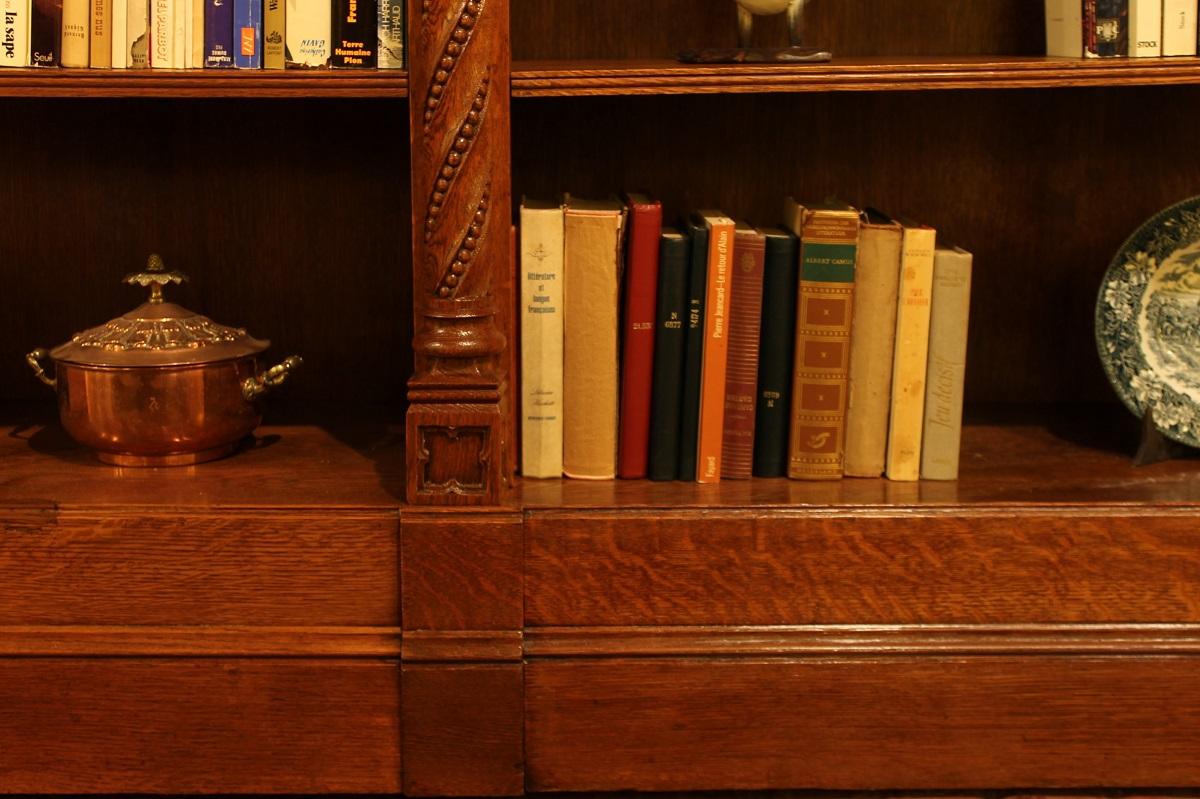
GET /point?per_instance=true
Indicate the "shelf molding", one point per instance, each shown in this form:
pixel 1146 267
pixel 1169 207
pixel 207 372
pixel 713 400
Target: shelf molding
pixel 228 83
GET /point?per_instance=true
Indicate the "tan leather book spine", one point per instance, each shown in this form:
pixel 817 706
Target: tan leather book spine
pixel 716 346
pixel 947 363
pixel 541 315
pixel 592 259
pixel 872 341
pixel 912 351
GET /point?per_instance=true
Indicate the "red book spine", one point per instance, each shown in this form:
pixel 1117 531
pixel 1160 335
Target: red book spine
pixel 741 371
pixel 637 357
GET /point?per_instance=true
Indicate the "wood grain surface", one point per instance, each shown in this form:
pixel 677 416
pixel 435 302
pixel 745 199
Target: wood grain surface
pixel 135 725
pixel 223 83
pixel 887 723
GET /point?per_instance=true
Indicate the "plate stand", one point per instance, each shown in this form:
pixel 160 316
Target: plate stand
pixel 1154 446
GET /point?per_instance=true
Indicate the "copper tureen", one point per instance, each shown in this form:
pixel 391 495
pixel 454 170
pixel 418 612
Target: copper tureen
pixel 161 385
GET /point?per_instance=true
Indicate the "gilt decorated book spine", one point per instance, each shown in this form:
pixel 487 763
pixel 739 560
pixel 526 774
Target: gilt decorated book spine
pixel 218 34
pixel 912 352
pixel 1179 27
pixel 45 33
pixel 308 37
pixel 872 341
pixel 741 370
pixel 824 312
pixel 1145 28
pixel 711 431
pixel 354 34
pixel 947 364
pixel 780 279
pixel 637 345
pixel 390 48
pixel 693 349
pixel 247 34
pixel 541 339
pixel 670 330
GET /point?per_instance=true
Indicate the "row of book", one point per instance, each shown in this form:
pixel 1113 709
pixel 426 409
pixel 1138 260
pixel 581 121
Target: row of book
pixel 210 34
pixel 832 345
pixel 1119 28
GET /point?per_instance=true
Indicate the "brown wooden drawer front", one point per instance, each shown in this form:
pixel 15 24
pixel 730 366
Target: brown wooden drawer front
pixel 183 726
pixel 895 723
pixel 809 568
pixel 248 568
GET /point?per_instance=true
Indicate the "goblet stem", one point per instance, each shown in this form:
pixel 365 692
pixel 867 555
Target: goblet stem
pixel 745 27
pixel 795 18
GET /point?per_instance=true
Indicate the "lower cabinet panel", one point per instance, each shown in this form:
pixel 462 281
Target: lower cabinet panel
pixel 199 725
pixel 870 723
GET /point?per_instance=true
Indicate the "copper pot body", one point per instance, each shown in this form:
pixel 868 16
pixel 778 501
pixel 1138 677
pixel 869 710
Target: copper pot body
pixel 160 416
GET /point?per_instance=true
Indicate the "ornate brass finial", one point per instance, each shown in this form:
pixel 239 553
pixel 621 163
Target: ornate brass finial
pixel 155 276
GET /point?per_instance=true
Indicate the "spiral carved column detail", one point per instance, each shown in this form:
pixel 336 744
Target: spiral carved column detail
pixel 458 425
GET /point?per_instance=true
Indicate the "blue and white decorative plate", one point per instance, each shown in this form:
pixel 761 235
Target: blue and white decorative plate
pixel 1148 321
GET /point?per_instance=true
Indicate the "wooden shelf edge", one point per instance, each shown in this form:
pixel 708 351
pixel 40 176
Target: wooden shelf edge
pixel 566 78
pixel 64 83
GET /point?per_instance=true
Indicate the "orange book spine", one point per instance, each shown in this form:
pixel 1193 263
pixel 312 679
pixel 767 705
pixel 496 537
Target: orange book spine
pixel 716 349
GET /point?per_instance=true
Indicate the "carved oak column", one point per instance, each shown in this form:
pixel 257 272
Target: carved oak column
pixel 458 108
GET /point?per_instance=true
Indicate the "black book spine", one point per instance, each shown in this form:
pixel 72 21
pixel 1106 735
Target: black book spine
pixel 355 34
pixel 670 322
pixel 45 33
pixel 780 273
pixel 693 348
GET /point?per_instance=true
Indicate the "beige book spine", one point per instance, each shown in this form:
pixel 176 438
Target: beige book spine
pixel 1179 27
pixel 912 351
pixel 76 32
pixel 196 34
pixel 541 341
pixel 1064 28
pixel 591 279
pixel 101 34
pixel 872 343
pixel 118 42
pixel 947 364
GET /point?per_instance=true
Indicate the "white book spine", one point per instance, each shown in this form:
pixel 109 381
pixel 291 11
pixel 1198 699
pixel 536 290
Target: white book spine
pixel 541 341
pixel 1179 27
pixel 196 35
pixel 948 318
pixel 14 49
pixel 307 31
pixel 1064 28
pixel 137 36
pixel 120 30
pixel 181 27
pixel 162 39
pixel 1145 28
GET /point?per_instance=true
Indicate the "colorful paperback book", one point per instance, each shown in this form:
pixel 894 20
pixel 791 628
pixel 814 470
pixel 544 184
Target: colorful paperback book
pixel 137 34
pixel 14 51
pixel 390 48
pixel 218 34
pixel 354 34
pixel 307 39
pixel 45 33
pixel 274 27
pixel 721 279
pixel 247 34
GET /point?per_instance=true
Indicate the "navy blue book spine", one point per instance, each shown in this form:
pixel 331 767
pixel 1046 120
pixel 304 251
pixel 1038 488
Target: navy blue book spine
pixel 247 30
pixel 218 34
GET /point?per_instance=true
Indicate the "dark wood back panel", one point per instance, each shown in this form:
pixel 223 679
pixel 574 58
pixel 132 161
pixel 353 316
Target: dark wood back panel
pixel 290 216
pixel 660 28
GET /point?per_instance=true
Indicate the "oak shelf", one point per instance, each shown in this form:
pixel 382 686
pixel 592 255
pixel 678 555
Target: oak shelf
pixel 664 76
pixel 258 83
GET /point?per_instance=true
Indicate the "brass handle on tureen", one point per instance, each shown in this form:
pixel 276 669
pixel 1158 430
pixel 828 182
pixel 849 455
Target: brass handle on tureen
pixel 253 387
pixel 34 359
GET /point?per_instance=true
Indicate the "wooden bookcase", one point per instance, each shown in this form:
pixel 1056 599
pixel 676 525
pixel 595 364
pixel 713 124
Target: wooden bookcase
pixel 367 599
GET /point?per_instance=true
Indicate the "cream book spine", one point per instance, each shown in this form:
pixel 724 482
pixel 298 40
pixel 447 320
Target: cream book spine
pixel 1064 28
pixel 76 32
pixel 120 30
pixel 872 343
pixel 162 39
pixel 181 28
pixel 592 259
pixel 912 352
pixel 947 363
pixel 541 339
pixel 100 52
pixel 1145 28
pixel 196 35
pixel 137 34
pixel 1179 27
pixel 15 52
pixel 307 27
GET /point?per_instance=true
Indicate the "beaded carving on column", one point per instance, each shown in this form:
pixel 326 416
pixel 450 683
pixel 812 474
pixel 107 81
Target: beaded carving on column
pixel 458 82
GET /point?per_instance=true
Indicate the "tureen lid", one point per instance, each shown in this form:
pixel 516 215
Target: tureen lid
pixel 157 333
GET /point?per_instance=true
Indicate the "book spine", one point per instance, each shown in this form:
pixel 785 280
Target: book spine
pixel 710 433
pixel 942 435
pixel 1145 28
pixel 824 313
pixel 274 27
pixel 637 352
pixel 307 33
pixel 390 47
pixel 14 51
pixel 181 22
pixel 100 46
pixel 872 342
pixel 162 42
pixel 693 359
pixel 45 33
pixel 1106 28
pixel 1065 32
pixel 780 278
pixel 669 333
pixel 118 44
pixel 541 342
pixel 196 48
pixel 1179 27
pixel 354 34
pixel 911 356
pixel 218 34
pixel 741 371
pixel 137 34
pixel 247 34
